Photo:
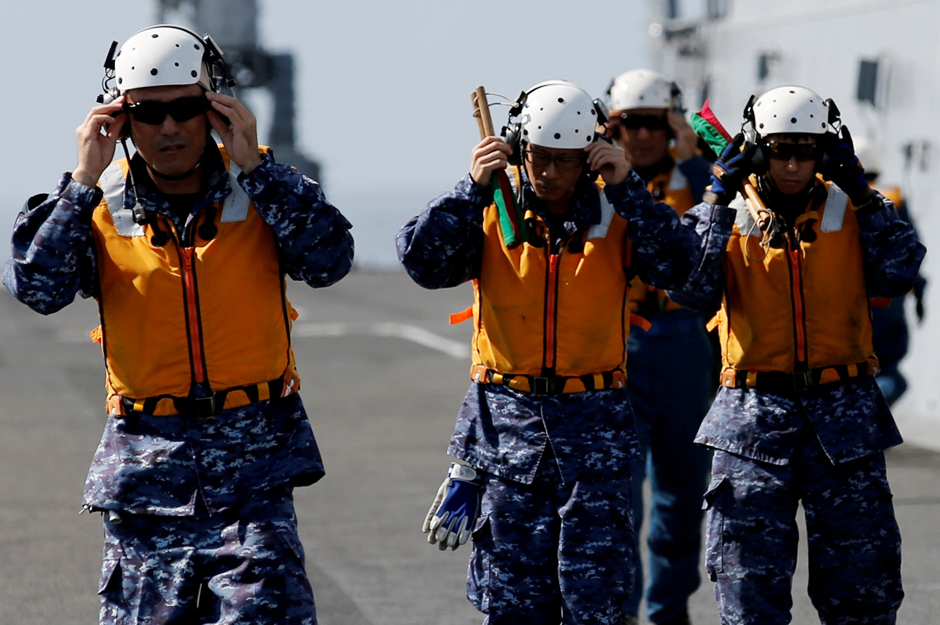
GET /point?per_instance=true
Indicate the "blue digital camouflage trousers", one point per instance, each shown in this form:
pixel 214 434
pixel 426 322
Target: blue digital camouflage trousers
pixel 242 566
pixel 548 553
pixel 853 542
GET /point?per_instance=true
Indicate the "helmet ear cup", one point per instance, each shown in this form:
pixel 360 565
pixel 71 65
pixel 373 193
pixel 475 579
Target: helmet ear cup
pixel 759 160
pixel 512 134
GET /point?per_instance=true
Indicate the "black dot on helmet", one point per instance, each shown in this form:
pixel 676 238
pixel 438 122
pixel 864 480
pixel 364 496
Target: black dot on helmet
pixel 575 131
pixel 792 91
pixel 775 116
pixel 118 54
pixel 196 45
pixel 579 112
pixel 561 100
pixel 588 139
pixel 177 45
pixel 176 64
pixel 811 116
pixel 153 71
pixel 792 120
pixel 762 125
pixel 120 80
pixel 542 108
pixel 133 67
pixel 525 132
pixel 193 73
pixel 155 35
pixel 642 97
pixel 558 135
pixel 822 125
pixel 540 127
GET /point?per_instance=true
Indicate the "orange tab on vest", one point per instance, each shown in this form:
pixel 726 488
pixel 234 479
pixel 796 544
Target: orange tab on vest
pixel 96 335
pixel 712 323
pixel 640 322
pixel 461 316
pixel 879 302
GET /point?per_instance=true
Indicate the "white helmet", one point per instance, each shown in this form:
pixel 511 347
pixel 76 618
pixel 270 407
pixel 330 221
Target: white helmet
pixel 160 56
pixel 868 154
pixel 559 114
pixel 640 89
pixel 790 109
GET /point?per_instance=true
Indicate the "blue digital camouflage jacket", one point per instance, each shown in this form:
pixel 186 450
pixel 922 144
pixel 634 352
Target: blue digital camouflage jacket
pixel 510 433
pixel 176 465
pixel 851 419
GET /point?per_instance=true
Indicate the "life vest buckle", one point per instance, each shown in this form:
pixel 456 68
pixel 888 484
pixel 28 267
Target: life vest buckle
pixel 802 380
pixel 202 407
pixel 541 386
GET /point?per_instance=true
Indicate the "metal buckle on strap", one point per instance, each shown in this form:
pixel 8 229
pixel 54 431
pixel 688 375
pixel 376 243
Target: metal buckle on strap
pixel 203 407
pixel 802 380
pixel 540 386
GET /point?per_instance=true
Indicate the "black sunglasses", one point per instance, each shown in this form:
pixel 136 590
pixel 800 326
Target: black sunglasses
pixel 635 121
pixel 180 109
pixel 786 151
pixel 564 163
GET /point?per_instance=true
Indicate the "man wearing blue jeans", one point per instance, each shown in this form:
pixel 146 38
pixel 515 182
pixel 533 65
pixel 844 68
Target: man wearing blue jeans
pixel 669 367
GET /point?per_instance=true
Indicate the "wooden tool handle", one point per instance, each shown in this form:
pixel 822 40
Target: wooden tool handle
pixel 481 110
pixel 755 205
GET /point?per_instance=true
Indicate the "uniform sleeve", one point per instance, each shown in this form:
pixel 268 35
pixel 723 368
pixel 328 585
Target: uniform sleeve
pixel 698 172
pixel 705 287
pixel 891 252
pixel 53 251
pixel 666 250
pixel 312 235
pixel 443 246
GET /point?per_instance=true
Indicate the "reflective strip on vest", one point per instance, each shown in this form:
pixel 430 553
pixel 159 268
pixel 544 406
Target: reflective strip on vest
pixel 677 182
pixel 112 185
pixel 836 204
pixel 599 231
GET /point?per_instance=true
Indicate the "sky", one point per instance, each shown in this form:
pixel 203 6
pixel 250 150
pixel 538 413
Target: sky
pixel 383 88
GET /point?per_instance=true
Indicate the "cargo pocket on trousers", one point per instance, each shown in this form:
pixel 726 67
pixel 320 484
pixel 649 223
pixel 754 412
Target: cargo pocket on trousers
pixel 480 573
pixel 716 498
pixel 110 581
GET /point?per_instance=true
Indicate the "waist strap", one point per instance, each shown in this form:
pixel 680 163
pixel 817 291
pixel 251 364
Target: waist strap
pixel 203 407
pixel 551 385
pixel 781 382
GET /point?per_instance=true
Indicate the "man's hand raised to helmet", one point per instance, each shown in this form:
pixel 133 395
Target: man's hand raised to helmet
pixel 241 138
pixel 489 156
pixel 609 161
pixel 96 139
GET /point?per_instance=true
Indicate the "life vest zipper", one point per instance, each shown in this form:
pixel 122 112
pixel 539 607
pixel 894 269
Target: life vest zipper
pixel 551 306
pixel 192 315
pixel 796 293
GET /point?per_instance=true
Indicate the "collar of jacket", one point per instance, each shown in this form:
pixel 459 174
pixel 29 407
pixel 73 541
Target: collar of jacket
pixel 215 186
pixel 585 205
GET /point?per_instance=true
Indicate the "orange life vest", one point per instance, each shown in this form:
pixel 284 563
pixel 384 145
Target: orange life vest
pixel 672 188
pixel 540 313
pixel 797 308
pixel 210 310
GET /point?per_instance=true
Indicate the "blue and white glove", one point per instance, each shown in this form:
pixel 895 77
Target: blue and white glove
pixel 451 517
pixel 842 166
pixel 733 166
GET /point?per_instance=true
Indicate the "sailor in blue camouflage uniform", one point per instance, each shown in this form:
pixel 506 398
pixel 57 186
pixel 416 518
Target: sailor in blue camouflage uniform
pixel 543 452
pixel 196 491
pixel 799 418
